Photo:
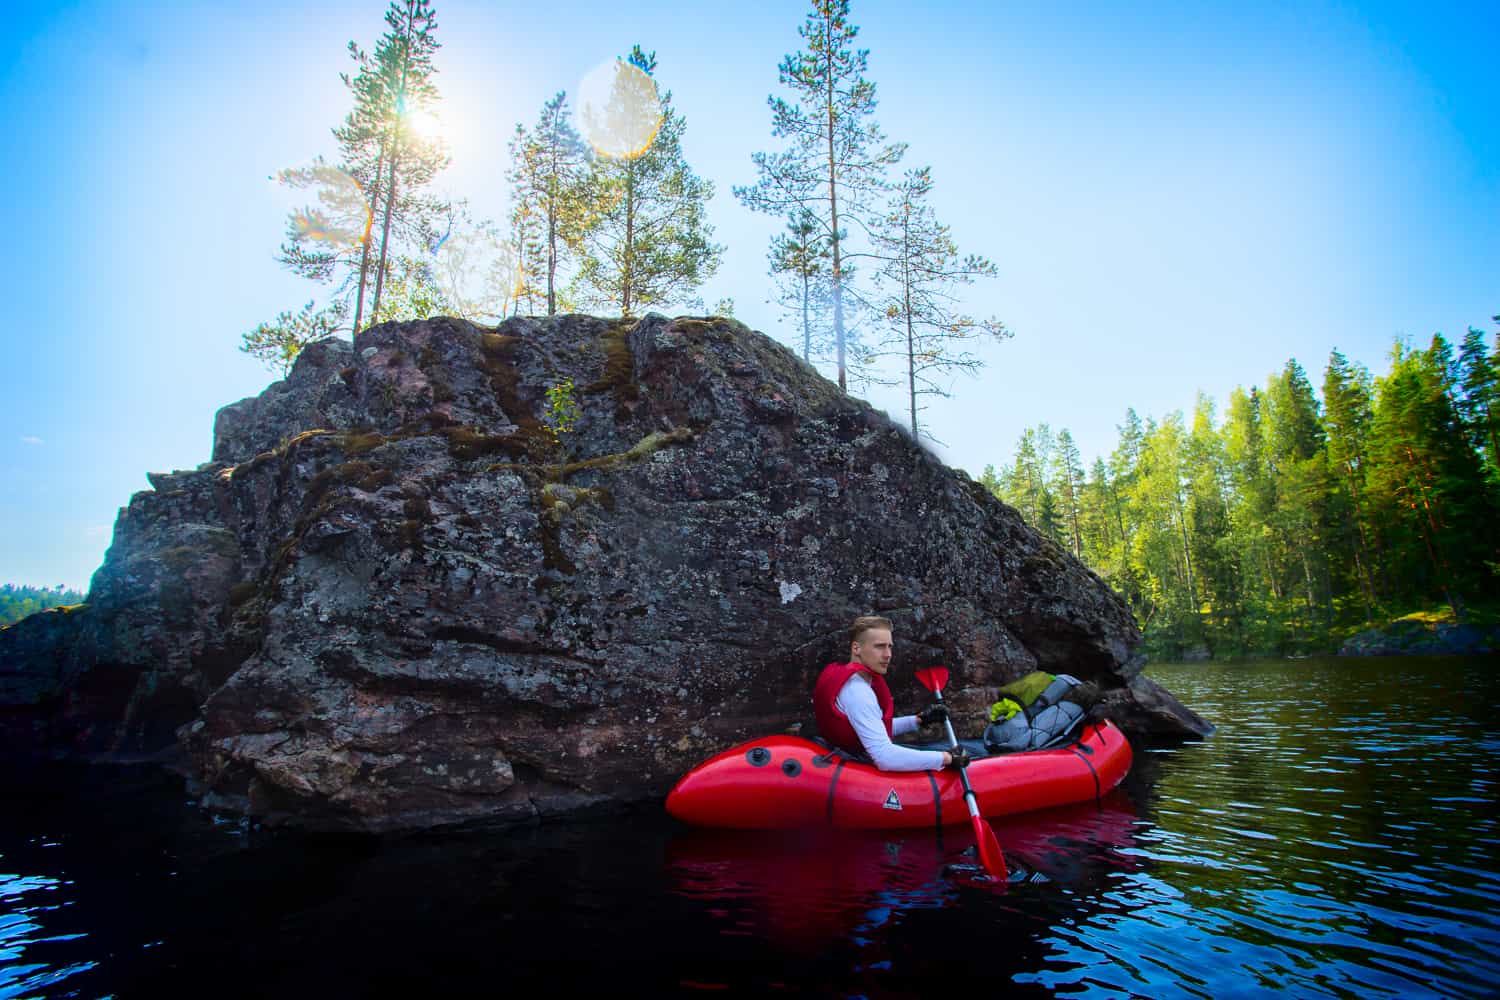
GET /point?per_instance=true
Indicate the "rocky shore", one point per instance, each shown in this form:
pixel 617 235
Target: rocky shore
pixel 1409 637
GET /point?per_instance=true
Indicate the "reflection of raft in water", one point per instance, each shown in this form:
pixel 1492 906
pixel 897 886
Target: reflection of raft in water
pixel 826 892
pixel 782 782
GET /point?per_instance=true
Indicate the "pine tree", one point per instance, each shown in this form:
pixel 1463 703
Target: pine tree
pixel 1101 539
pixel 325 239
pixel 1295 453
pixel 1067 475
pixel 1255 491
pixel 799 260
pixel 1025 486
pixel 919 274
pixel 1479 400
pixel 526 233
pixel 1162 549
pixel 651 242
pixel 403 64
pixel 279 343
pixel 412 291
pixel 1022 479
pixel 1205 470
pixel 1347 416
pixel 383 164
pixel 836 158
pixel 1427 475
pixel 550 182
pixel 363 145
pixel 1123 462
pixel 992 482
pixel 1048 516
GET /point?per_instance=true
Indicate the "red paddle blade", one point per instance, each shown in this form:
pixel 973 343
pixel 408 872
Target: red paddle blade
pixel 989 850
pixel 933 678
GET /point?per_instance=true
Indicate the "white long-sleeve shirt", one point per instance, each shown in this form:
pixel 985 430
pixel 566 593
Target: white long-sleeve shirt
pixel 856 699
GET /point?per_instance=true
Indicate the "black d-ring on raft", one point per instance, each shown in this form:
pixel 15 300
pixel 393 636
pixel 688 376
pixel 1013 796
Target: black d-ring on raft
pixel 759 757
pixel 790 767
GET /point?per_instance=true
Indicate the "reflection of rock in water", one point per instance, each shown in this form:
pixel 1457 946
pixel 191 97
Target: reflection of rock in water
pixel 876 897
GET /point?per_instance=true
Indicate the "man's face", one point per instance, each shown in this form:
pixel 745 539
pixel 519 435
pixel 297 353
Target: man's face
pixel 873 649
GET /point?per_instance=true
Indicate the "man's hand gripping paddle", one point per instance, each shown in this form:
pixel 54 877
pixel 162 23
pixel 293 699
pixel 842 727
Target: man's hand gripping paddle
pixel 935 679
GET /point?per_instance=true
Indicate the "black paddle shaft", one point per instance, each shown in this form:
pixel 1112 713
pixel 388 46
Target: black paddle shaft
pixel 963 772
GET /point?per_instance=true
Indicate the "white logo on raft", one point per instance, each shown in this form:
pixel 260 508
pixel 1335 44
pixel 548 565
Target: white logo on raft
pixel 891 801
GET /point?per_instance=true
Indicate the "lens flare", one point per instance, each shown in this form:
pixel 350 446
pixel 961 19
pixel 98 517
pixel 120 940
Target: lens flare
pixel 478 273
pixel 619 110
pixel 314 225
pixel 443 239
pixel 342 214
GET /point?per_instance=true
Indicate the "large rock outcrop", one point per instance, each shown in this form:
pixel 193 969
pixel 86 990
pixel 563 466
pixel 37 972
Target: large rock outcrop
pixel 396 598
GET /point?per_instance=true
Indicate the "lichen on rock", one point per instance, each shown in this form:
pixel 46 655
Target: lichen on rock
pixel 394 599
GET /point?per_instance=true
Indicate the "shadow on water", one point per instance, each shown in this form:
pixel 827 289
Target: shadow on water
pixel 1336 838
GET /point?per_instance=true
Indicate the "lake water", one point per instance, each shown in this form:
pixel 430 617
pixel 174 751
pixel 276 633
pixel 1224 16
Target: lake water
pixel 1337 837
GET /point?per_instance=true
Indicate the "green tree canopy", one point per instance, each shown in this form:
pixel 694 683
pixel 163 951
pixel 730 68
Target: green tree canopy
pixel 550 177
pixel 1295 520
pixel 651 242
pixel 920 272
pixel 835 161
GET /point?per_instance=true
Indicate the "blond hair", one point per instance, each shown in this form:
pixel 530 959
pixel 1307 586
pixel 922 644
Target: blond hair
pixel 864 623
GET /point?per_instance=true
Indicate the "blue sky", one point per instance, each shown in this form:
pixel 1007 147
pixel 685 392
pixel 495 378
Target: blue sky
pixel 1179 197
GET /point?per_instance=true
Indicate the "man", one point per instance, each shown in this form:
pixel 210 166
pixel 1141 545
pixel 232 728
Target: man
pixel 855 710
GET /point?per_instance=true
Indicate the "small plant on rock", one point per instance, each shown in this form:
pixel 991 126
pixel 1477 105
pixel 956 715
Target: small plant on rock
pixel 563 412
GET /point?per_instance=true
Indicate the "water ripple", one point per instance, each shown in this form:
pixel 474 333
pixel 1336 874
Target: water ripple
pixel 1335 838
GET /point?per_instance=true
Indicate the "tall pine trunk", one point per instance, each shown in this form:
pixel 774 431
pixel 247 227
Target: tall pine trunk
pixel 364 252
pixel 806 320
pixel 911 346
pixel 626 275
pixel 385 229
pixel 833 206
pixel 551 257
pixel 911 364
pixel 552 211
pixel 390 194
pixel 1073 504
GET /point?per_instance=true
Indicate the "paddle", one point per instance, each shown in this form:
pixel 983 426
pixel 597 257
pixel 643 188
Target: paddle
pixel 934 679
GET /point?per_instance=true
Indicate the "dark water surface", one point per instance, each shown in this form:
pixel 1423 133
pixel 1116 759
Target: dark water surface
pixel 1338 837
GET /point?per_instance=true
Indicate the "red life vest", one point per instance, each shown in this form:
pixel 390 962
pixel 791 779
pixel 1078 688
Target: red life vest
pixel 833 725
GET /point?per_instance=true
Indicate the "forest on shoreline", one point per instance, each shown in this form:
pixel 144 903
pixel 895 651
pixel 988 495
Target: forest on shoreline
pixel 1295 521
pixel 16 602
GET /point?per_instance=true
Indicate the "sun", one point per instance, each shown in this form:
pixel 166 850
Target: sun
pixel 424 124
